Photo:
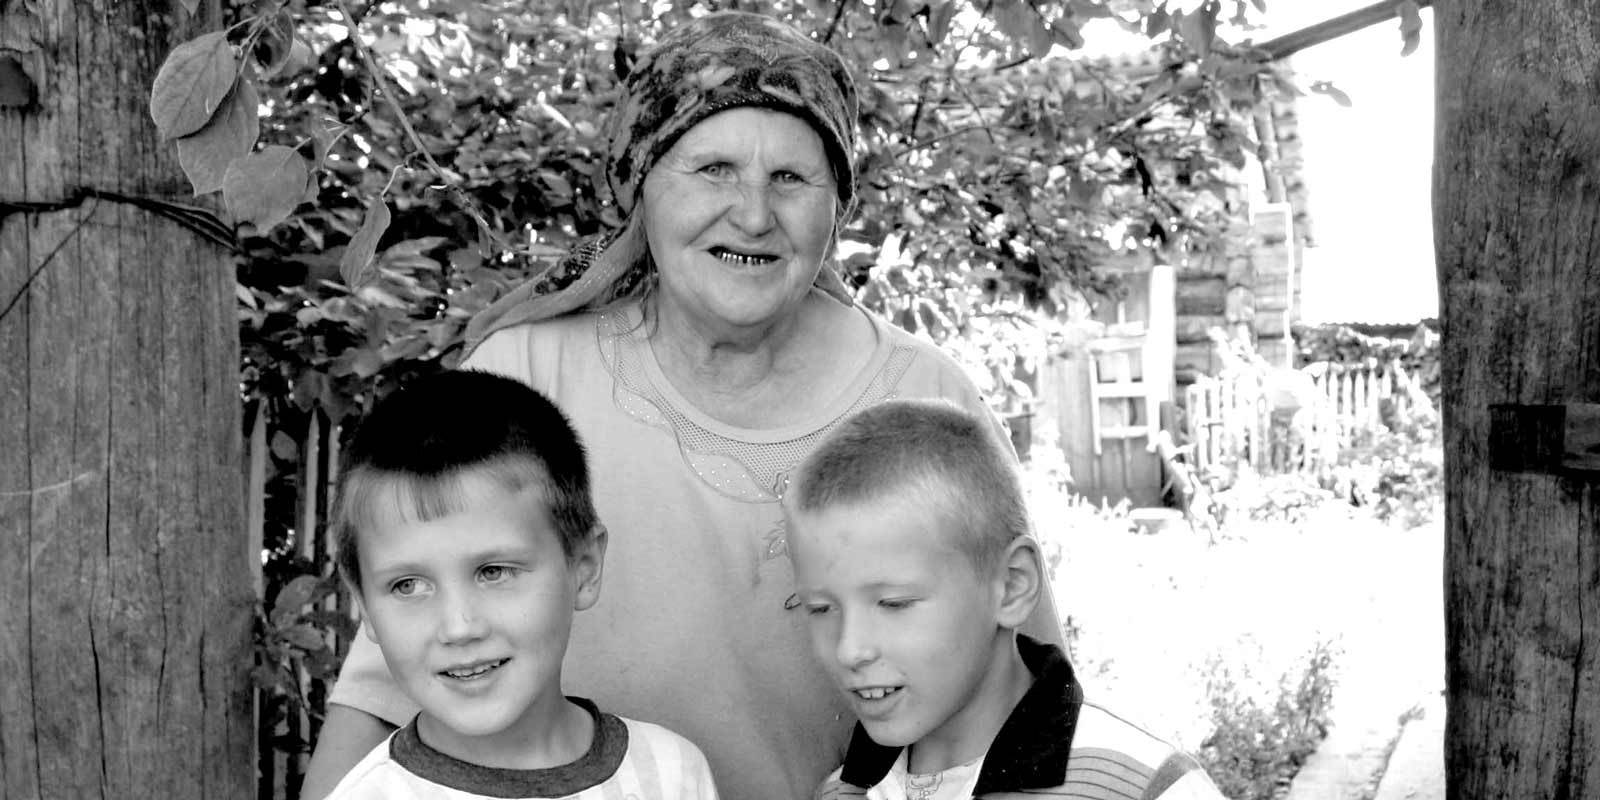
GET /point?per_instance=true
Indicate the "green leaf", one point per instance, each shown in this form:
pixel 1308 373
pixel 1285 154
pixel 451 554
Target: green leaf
pixel 1158 22
pixel 264 187
pixel 191 6
pixel 356 264
pixel 277 42
pixel 192 83
pixel 206 153
pixel 1327 88
pixel 292 599
pixel 939 16
pixel 1040 39
pixel 1410 26
pixel 284 447
pixel 304 637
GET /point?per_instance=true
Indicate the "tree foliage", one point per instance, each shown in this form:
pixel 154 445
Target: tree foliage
pixel 413 164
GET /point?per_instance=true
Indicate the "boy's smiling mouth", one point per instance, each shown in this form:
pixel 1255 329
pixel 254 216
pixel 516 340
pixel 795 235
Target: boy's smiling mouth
pixel 875 692
pixel 474 670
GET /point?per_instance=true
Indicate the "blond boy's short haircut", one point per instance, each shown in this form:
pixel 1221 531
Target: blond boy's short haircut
pixel 940 453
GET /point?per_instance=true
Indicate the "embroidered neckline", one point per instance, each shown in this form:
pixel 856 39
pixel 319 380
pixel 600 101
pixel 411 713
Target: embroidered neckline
pixel 743 464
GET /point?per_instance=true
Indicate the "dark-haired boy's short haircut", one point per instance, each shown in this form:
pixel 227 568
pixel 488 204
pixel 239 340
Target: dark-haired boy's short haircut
pixel 421 448
pixel 935 451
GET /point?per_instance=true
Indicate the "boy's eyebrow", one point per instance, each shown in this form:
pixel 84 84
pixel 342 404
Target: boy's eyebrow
pixel 519 553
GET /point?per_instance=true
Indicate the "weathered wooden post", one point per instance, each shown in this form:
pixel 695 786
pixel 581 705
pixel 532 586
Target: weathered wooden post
pixel 124 579
pixel 1517 232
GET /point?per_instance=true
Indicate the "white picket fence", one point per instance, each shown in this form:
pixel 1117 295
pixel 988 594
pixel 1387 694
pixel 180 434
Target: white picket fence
pixel 1324 409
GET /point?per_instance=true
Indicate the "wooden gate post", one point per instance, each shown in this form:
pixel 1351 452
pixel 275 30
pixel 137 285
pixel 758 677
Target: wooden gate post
pixel 1517 232
pixel 125 589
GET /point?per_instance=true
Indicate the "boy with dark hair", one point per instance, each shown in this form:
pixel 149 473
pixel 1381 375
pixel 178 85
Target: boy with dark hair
pixel 915 564
pixel 467 535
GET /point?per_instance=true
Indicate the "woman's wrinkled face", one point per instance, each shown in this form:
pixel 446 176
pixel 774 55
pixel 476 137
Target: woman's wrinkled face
pixel 739 215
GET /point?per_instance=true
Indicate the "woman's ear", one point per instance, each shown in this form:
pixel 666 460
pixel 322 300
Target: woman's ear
pixel 587 566
pixel 1021 582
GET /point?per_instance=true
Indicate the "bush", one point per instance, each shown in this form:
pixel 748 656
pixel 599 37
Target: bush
pixel 1399 475
pixel 1256 748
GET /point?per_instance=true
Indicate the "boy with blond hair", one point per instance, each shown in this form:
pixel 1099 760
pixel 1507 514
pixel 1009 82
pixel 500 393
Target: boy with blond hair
pixel 915 565
pixel 467 535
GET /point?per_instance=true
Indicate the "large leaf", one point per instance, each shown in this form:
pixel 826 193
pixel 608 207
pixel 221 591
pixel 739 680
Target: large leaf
pixel 206 153
pixel 264 187
pixel 356 265
pixel 291 599
pixel 192 84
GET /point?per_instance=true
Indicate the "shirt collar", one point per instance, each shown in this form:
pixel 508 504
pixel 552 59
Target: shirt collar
pixel 593 768
pixel 1029 752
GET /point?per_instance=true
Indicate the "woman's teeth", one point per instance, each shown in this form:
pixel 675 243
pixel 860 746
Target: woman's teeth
pixel 740 258
pixel 474 671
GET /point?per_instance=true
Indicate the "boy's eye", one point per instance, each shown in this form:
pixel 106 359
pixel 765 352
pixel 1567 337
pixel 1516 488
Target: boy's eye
pixel 896 603
pixel 495 573
pixel 818 609
pixel 408 587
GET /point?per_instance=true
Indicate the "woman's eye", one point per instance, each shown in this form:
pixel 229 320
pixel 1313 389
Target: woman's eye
pixel 786 178
pixel 717 169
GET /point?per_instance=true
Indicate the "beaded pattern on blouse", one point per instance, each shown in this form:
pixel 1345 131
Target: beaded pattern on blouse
pixel 745 471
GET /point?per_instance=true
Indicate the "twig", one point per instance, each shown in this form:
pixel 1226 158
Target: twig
pixel 838 14
pixel 411 133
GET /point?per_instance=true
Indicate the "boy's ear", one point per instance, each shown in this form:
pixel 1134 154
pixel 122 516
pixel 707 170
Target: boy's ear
pixel 361 612
pixel 588 564
pixel 1021 582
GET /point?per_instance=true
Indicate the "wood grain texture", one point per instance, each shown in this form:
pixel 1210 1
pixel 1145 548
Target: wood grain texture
pixel 125 588
pixel 1517 236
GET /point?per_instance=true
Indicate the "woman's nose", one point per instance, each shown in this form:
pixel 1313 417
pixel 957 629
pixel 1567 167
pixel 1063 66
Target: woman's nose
pixel 752 211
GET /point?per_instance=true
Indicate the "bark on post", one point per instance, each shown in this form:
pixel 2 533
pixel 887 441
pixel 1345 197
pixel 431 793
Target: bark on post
pixel 1517 232
pixel 125 596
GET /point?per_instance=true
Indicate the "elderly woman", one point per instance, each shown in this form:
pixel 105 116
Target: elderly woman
pixel 700 354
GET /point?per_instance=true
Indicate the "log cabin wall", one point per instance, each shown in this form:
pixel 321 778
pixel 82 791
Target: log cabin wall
pixel 1252 290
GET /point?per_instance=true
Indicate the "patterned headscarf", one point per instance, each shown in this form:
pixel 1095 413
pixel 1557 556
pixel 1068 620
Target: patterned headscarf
pixel 724 60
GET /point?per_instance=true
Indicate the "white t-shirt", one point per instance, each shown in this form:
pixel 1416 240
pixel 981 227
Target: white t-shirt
pixel 627 759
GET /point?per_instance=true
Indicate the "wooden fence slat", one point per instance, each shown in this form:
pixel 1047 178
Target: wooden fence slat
pixel 1230 421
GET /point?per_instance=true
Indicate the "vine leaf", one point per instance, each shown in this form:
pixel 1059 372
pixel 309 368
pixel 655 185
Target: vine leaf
pixel 940 15
pixel 1410 26
pixel 291 599
pixel 355 266
pixel 1327 88
pixel 192 83
pixel 206 153
pixel 264 187
pixel 276 44
pixel 191 6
